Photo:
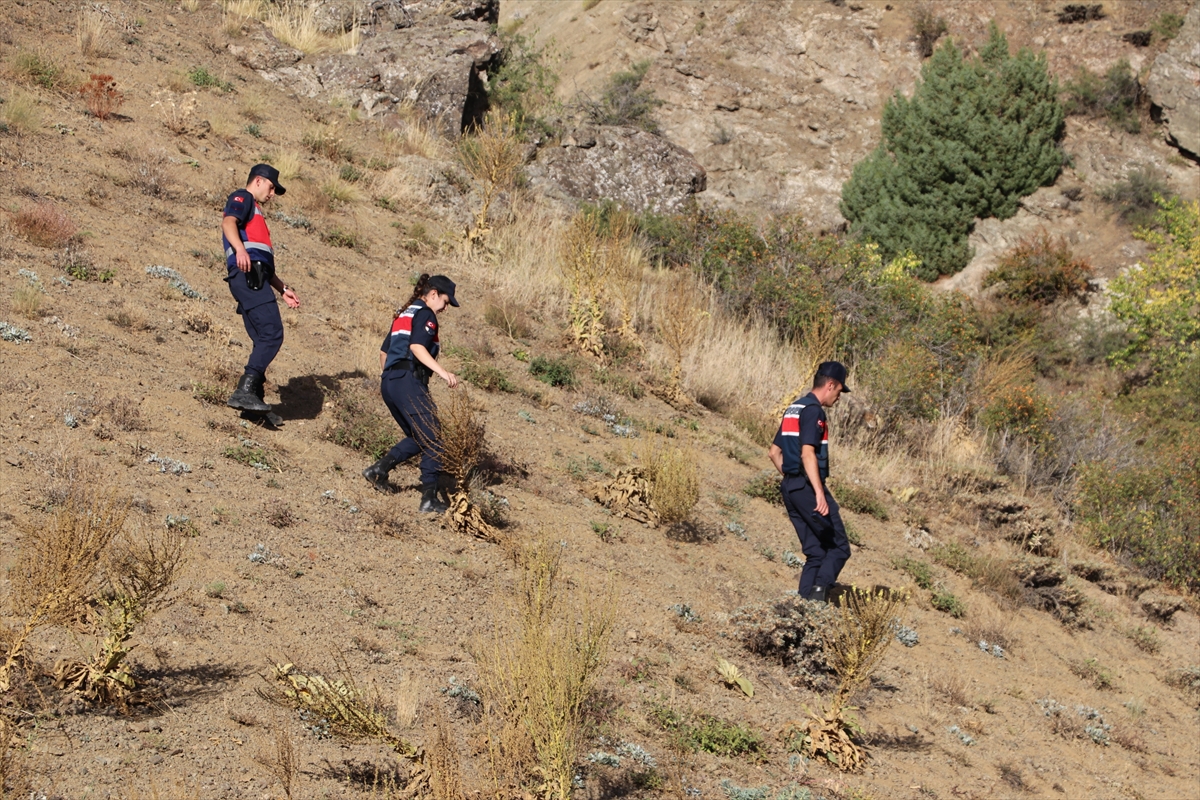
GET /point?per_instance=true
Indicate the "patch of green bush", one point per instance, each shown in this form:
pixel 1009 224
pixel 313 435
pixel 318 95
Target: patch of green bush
pixel 553 371
pixel 1113 96
pixel 624 101
pixel 356 426
pixel 765 485
pixel 199 76
pixel 1167 26
pixel 488 378
pixel 977 135
pixel 1135 196
pixel 858 498
pixel 919 571
pixel 522 83
pixel 708 733
pixel 947 602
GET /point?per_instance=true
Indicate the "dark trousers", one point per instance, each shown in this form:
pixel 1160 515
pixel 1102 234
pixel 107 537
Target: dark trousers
pixel 265 327
pixel 822 538
pixel 412 407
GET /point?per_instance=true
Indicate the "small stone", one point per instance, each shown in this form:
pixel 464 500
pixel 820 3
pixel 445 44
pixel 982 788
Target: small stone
pixel 156 759
pixel 631 635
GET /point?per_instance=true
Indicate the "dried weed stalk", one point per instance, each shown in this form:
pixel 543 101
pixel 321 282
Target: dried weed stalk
pixel 460 448
pixel 680 322
pixel 59 566
pixel 855 640
pixel 138 573
pixel 674 478
pixel 493 155
pixel 14 770
pixel 536 673
pixel 445 767
pixel 280 760
pixel 585 267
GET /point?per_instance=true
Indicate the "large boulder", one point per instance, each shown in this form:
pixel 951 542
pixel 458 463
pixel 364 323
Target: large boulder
pixel 639 170
pixel 436 66
pixel 1174 85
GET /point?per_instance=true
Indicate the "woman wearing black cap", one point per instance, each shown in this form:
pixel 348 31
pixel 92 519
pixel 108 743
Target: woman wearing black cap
pixel 408 357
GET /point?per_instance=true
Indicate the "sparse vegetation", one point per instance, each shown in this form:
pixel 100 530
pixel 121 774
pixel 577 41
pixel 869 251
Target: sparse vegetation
pixel 765 485
pixel 201 77
pixel 1114 96
pixel 553 371
pixel 927 28
pixel 38 68
pixel 947 602
pixel 522 84
pixel 494 156
pixel 19 114
pixel 1136 197
pixel 624 101
pixel 919 571
pixel 45 225
pixel 324 143
pixel 1040 270
pixel 357 426
pixel 859 498
pixel 101 96
pixel 674 479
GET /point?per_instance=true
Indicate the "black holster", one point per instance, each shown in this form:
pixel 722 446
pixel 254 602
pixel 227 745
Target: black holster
pixel 260 275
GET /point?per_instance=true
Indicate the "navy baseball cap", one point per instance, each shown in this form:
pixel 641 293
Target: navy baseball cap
pixel 835 370
pixel 443 285
pixel 270 173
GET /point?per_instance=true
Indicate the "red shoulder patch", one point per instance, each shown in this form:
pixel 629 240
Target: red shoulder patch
pixel 238 199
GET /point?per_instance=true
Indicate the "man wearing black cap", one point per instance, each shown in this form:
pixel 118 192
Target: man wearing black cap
pixel 250 260
pixel 801 454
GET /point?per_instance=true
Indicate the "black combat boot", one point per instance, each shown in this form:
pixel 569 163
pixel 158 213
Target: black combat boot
pixel 377 474
pixel 430 504
pixel 817 595
pixel 246 396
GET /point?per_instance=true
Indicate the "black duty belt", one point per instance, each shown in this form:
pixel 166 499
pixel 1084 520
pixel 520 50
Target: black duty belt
pixel 421 372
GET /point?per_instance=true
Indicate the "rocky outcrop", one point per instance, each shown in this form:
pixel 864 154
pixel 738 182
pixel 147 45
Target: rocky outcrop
pixel 1174 85
pixel 637 169
pixel 259 50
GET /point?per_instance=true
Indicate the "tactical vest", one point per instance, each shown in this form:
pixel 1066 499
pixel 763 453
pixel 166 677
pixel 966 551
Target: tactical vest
pixel 789 430
pixel 256 238
pixel 401 336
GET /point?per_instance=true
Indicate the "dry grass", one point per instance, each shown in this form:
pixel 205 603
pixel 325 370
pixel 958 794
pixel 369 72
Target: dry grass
pixel 585 271
pixel 536 673
pixel 58 566
pixel 176 107
pixel 461 445
pixel 416 135
pixel 407 700
pixel 681 321
pixel 27 301
pixel 45 225
pixel 20 114
pixel 93 34
pixel 123 413
pixel 288 163
pixel 445 766
pixel 952 688
pixel 294 23
pixel 494 156
pixel 15 777
pixel 674 478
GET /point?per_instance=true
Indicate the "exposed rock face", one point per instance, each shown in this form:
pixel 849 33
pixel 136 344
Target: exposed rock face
pixel 637 169
pixel 433 62
pixel 1174 85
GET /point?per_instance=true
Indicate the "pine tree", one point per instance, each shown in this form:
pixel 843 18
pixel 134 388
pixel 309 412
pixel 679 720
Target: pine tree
pixel 977 135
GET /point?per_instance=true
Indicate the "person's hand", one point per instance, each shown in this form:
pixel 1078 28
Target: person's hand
pixel 451 379
pixel 822 506
pixel 289 297
pixel 243 261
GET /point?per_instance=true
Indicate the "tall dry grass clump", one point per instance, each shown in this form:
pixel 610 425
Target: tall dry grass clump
pixel 536 673
pixel 59 566
pixel 45 225
pixel 493 155
pixel 294 23
pixel 93 33
pixel 415 135
pixel 855 641
pixel 20 114
pixel 674 478
pixel 585 270
pixel 445 765
pixel 681 321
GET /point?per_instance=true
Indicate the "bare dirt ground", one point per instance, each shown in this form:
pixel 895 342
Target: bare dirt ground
pixel 339 569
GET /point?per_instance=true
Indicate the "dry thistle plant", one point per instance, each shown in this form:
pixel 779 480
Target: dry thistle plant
pixel 59 566
pixel 137 574
pixel 674 479
pixel 493 155
pixel 536 673
pixel 347 711
pixel 280 760
pixel 585 266
pixel 626 269
pixel 680 323
pixel 176 110
pixel 855 642
pixel 460 449
pixel 445 767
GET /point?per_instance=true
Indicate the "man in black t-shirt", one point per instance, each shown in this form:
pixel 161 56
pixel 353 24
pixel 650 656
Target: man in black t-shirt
pixel 250 260
pixel 800 453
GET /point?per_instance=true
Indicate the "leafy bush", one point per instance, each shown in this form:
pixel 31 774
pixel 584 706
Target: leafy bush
pixel 919 571
pixel 1149 513
pixel 859 499
pixel 624 102
pixel 201 77
pixel 945 601
pixel 766 486
pixel 708 733
pixel 1113 97
pixel 553 371
pixel 1158 300
pixel 977 135
pixel 1136 196
pixel 1020 409
pixel 522 83
pixel 488 378
pixel 1039 270
pixel 926 29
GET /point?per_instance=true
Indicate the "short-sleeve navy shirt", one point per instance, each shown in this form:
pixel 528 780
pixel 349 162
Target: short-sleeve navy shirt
pixel 804 426
pixel 241 206
pixel 421 328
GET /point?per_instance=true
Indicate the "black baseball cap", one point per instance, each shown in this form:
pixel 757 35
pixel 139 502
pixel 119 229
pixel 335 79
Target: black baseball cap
pixel 835 370
pixel 443 285
pixel 270 173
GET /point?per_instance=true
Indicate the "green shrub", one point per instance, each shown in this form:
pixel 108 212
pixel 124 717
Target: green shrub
pixel 1020 409
pixel 945 601
pixel 1039 270
pixel 859 499
pixel 553 371
pixel 1157 300
pixel 488 378
pixel 37 68
pixel 708 733
pixel 624 102
pixel 358 427
pixel 522 83
pixel 621 384
pixel 976 136
pixel 201 77
pixel 1113 97
pixel 340 238
pixel 250 455
pixel 766 486
pixel 919 571
pixel 1149 513
pixel 1136 196
pixel 1167 26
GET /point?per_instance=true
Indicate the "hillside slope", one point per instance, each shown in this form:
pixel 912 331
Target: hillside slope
pixel 303 562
